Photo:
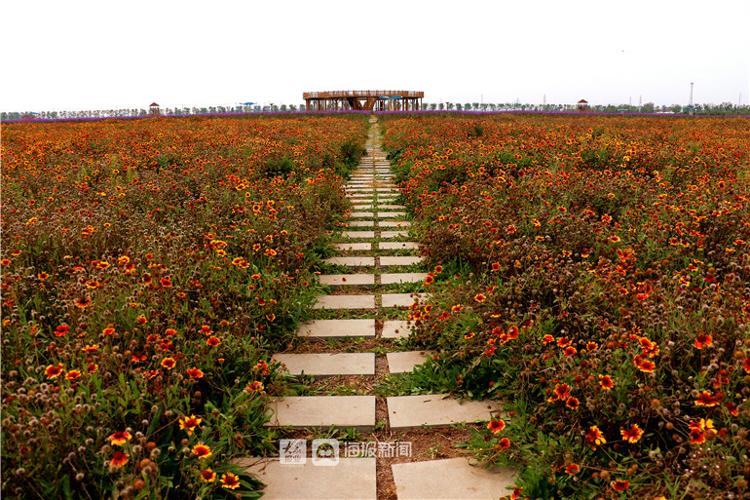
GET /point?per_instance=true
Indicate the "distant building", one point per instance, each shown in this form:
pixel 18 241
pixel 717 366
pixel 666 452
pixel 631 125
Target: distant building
pixel 153 109
pixel 582 105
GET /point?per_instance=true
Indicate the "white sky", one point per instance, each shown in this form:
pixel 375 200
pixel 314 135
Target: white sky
pixel 71 54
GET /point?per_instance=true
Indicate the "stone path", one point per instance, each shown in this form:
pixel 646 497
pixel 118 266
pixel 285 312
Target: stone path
pixel 365 266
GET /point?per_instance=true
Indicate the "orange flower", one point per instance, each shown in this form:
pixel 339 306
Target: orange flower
pixel 230 481
pixel 548 339
pixel 166 282
pixel 73 375
pixel 119 459
pixel 53 371
pixel 644 365
pixel 496 425
pixel 141 320
pixel 620 484
pixel 208 476
pixel 213 341
pixel 495 266
pixel 194 373
pixel 633 434
pixel 202 451
pixel 42 276
pixel 606 382
pixel 190 423
pixel 168 363
pixel 108 331
pixel 429 279
pixel 703 340
pixel 480 297
pixel 119 438
pixel 572 403
pixel 746 365
pixel 595 436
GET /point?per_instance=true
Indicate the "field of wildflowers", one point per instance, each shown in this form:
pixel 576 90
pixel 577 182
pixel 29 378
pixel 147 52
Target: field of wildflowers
pixel 591 272
pixel 148 269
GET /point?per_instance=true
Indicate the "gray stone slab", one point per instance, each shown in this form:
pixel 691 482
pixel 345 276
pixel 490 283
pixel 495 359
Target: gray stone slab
pixel 345 302
pixel 391 215
pixel 362 261
pixel 347 279
pixel 398 245
pixel 352 246
pixel 368 206
pixel 393 234
pixel 359 234
pixel 362 215
pixel 452 478
pixel 322 411
pixel 394 223
pixel 407 412
pixel 401 362
pixel 323 364
pixel 399 299
pixel 391 278
pixel 337 328
pixel 395 329
pixel 361 223
pixel 400 260
pixel 350 479
pixel 391 207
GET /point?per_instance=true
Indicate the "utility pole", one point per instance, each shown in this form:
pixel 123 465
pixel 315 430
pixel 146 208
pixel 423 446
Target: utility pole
pixel 640 103
pixel 691 98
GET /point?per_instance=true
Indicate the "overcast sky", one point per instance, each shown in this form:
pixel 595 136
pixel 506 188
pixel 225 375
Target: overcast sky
pixel 106 54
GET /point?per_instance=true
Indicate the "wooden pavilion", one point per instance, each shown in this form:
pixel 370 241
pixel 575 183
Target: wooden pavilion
pixel 369 100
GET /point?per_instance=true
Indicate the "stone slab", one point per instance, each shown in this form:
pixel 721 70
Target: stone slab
pixel 355 363
pixel 399 245
pixel 337 328
pixel 361 223
pixel 391 207
pixel 408 412
pixel 345 302
pixel 347 279
pixel 452 478
pixel 391 215
pixel 352 246
pixel 350 479
pixel 401 362
pixel 351 261
pixel 391 278
pixel 393 234
pixel 359 234
pixel 394 223
pixel 362 215
pixel 400 260
pixel 322 411
pixel 399 299
pixel 395 329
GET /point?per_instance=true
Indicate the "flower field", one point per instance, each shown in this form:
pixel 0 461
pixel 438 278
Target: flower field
pixel 591 272
pixel 148 269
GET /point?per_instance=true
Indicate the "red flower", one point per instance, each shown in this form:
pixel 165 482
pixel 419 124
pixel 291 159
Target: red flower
pixel 708 399
pixel 702 341
pixel 230 481
pixel 562 391
pixel 62 330
pixel 208 476
pixel 194 373
pixel 606 382
pixel 620 484
pixel 503 444
pixel 119 438
pixel 53 371
pixel 201 451
pixel 595 436
pixel 495 266
pixel 572 469
pixel 496 425
pixel 480 297
pixel 168 363
pixel 633 434
pixel 213 341
pixel 119 459
pixel 73 375
pixel 572 403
